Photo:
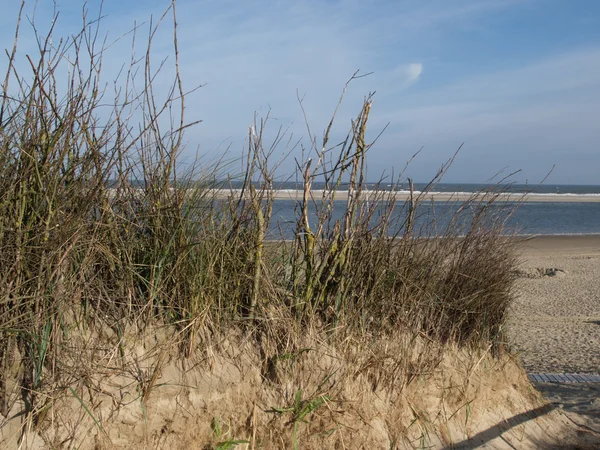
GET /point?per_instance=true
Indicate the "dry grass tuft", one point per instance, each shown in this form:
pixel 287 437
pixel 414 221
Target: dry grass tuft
pixel 103 237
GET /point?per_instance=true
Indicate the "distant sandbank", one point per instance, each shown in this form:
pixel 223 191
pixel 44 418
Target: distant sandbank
pixel 290 194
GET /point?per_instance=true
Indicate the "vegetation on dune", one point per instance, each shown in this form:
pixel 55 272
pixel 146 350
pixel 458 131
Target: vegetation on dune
pixel 100 229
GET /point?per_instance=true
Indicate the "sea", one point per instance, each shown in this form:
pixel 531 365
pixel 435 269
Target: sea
pixel 547 217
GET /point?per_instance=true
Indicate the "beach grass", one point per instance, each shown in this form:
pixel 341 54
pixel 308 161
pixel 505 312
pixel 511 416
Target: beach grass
pixel 103 236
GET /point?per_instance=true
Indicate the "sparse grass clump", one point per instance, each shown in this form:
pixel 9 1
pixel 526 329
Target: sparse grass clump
pixel 103 236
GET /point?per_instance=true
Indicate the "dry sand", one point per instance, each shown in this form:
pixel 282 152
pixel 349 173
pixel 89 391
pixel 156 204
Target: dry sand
pixel 555 321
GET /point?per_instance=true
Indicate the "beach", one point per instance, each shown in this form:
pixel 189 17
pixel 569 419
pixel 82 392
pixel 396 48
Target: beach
pixel 554 324
pixel 555 321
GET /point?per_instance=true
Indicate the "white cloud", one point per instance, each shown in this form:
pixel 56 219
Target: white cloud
pixel 413 72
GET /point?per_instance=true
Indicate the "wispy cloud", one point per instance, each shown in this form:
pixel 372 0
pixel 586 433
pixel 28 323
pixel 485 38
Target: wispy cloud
pixel 413 71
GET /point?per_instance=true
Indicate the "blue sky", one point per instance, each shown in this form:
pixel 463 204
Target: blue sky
pixel 518 81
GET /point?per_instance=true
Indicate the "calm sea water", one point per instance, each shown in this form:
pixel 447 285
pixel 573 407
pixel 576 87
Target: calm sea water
pixel 532 218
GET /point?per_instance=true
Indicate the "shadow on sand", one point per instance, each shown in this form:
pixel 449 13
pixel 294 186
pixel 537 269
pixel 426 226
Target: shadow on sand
pixel 497 430
pixel 577 400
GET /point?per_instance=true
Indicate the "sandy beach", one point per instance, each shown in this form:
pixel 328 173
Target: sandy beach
pixel 555 321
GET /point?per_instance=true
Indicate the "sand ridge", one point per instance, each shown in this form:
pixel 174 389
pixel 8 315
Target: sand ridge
pixel 403 195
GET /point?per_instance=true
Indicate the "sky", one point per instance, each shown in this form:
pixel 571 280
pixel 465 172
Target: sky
pixel 516 82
